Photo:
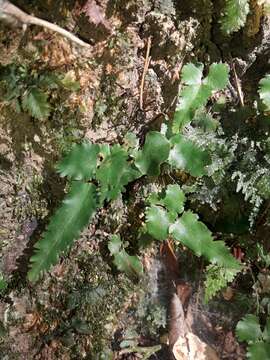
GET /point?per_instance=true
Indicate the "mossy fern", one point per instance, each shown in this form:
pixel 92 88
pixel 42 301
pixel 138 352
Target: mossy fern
pixel 217 278
pixel 234 15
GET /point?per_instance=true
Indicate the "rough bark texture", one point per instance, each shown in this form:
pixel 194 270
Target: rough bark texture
pixel 77 311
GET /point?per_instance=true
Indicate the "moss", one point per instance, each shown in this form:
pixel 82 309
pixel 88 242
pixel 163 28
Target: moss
pixel 91 299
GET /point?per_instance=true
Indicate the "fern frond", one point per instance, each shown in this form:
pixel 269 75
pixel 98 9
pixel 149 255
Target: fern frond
pixel 124 262
pixel 35 102
pixel 80 163
pixel 197 91
pixel 188 156
pixel 162 220
pixel 235 15
pixel 155 151
pixel 114 173
pixel 217 278
pixel 194 234
pixel 77 208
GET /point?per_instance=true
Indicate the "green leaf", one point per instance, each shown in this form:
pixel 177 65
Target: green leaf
pixel 234 15
pixel 217 277
pixel 157 222
pixel 36 103
pixel 115 172
pixel 80 163
pixel 188 156
pixel 264 91
pixel 196 91
pixel 174 199
pixel 218 76
pixel 154 153
pixel 248 329
pixel 192 98
pixel 130 265
pixel 259 351
pixel 196 236
pixel 192 74
pixel 74 214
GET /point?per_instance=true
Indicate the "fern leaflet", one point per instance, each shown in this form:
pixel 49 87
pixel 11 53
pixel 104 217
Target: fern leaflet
pixel 124 262
pixel 114 173
pixel 197 91
pixel 235 15
pixel 35 101
pixel 77 208
pixel 162 221
pixel 154 153
pixel 217 278
pixel 188 156
pixel 196 236
pixel 80 163
pixel 249 329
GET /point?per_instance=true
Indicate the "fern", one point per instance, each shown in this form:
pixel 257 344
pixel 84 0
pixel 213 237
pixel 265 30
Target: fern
pixel 29 91
pixel 114 173
pixel 249 330
pixel 77 208
pixel 161 222
pixel 189 231
pixel 80 163
pixel 112 168
pixel 36 103
pixel 217 278
pixel 235 15
pixel 187 156
pixel 197 91
pixel 130 265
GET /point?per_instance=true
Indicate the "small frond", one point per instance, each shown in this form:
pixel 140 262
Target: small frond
pixel 197 91
pixel 217 278
pixel 36 103
pixel 235 15
pixel 124 262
